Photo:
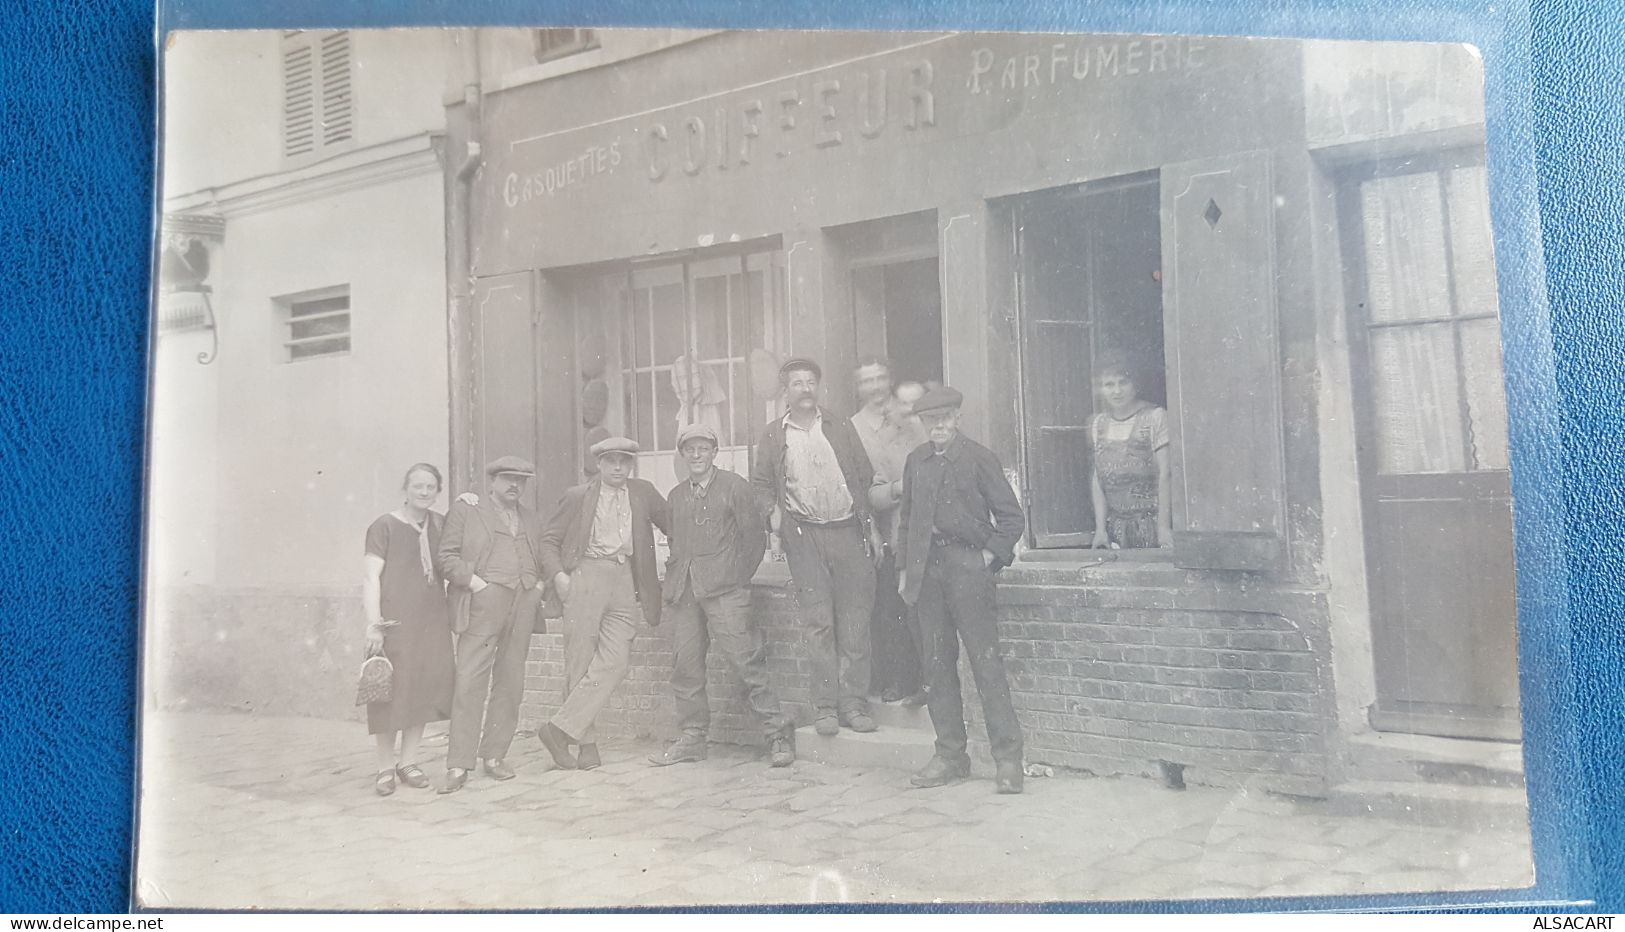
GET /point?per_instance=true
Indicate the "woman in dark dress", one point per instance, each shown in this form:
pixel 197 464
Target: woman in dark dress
pixel 405 602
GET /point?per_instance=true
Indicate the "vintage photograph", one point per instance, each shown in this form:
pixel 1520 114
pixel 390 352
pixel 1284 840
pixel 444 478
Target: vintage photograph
pixel 605 468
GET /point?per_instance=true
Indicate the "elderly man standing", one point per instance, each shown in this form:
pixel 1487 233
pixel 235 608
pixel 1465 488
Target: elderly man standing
pixel 599 552
pixel 889 435
pixel 717 541
pixel 488 554
pixel 960 524
pixel 811 473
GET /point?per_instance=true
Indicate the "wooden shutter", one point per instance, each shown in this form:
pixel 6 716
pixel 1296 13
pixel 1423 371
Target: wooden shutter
pixel 1224 391
pixel 338 123
pixel 505 360
pixel 318 112
pixel 299 95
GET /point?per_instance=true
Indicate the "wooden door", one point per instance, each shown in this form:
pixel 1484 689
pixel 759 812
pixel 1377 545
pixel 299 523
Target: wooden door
pixel 505 401
pixel 1433 450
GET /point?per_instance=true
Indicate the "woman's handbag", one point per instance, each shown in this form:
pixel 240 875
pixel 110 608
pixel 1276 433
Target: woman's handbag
pixel 376 682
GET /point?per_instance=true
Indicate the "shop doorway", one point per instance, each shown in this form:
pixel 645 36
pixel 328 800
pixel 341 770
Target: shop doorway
pixel 1090 262
pixel 898 309
pixel 1433 449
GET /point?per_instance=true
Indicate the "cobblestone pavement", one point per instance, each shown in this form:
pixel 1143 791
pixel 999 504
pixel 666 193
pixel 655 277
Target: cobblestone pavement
pixel 246 811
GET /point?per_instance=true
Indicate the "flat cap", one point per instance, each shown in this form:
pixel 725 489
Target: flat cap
pixel 510 464
pixel 696 432
pixel 797 363
pixel 939 399
pixel 624 445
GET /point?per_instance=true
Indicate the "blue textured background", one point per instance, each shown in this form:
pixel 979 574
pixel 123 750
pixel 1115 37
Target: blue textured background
pixel 76 118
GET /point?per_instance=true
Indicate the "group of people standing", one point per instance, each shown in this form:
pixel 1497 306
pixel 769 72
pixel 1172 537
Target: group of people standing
pixel 893 524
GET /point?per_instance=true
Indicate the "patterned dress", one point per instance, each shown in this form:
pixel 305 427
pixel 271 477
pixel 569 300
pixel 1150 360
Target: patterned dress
pixel 1126 461
pixel 419 646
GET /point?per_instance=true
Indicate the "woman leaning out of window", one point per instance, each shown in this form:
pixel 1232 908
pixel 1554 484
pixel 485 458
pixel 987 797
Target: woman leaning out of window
pixel 1129 482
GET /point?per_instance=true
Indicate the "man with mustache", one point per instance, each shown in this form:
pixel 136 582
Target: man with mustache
pixel 812 477
pixel 489 555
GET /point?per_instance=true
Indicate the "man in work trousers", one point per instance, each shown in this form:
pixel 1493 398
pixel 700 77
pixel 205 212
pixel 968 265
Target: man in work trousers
pixel 488 553
pixel 889 435
pixel 599 552
pixel 959 526
pixel 717 541
pixel 812 477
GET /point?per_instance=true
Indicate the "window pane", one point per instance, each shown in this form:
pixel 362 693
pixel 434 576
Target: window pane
pixel 1407 276
pixel 668 323
pixel 645 410
pixel 740 406
pixel 319 348
pixel 640 328
pixel 1486 402
pixel 321 326
pixel 711 317
pixel 319 306
pixel 1471 250
pixel 1418 413
pixel 738 317
pixel 666 408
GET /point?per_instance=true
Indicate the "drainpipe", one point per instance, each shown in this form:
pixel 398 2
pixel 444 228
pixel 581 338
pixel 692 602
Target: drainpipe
pixel 461 392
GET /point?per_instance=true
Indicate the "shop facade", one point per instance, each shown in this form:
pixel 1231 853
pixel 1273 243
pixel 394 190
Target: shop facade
pixel 1291 240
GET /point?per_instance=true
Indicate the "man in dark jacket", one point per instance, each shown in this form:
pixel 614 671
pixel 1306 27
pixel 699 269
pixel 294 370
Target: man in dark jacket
pixel 960 523
pixel 599 552
pixel 488 554
pixel 717 541
pixel 812 477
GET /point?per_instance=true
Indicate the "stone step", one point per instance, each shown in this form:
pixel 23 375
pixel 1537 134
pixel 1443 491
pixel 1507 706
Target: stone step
pixel 1381 757
pixel 1497 807
pixel 897 715
pixel 902 749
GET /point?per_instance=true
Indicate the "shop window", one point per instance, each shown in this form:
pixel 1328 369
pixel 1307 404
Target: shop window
pixel 314 324
pixel 1430 316
pixel 691 331
pixel 318 106
pixel 557 43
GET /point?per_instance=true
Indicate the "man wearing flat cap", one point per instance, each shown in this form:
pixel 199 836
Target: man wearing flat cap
pixel 717 541
pixel 959 525
pixel 489 553
pixel 812 477
pixel 599 552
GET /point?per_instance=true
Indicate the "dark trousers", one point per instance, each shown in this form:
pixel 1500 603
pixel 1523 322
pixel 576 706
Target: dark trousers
pixel 490 682
pixel 956 604
pixel 835 586
pixel 725 619
pixel 895 635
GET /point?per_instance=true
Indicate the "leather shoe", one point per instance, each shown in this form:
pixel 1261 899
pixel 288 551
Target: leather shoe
pixel 859 722
pixel 413 776
pixel 498 770
pixel 827 725
pixel 940 772
pixel 558 744
pixel 455 778
pixel 1008 778
pixel 685 750
pixel 781 751
pixel 587 757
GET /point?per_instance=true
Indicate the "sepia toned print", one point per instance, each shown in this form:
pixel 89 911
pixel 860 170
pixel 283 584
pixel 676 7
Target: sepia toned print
pixel 849 467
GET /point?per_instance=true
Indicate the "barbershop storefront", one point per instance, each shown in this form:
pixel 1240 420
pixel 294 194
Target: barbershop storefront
pixel 1295 252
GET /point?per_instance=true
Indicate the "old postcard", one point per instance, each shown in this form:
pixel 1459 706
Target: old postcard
pixel 610 468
